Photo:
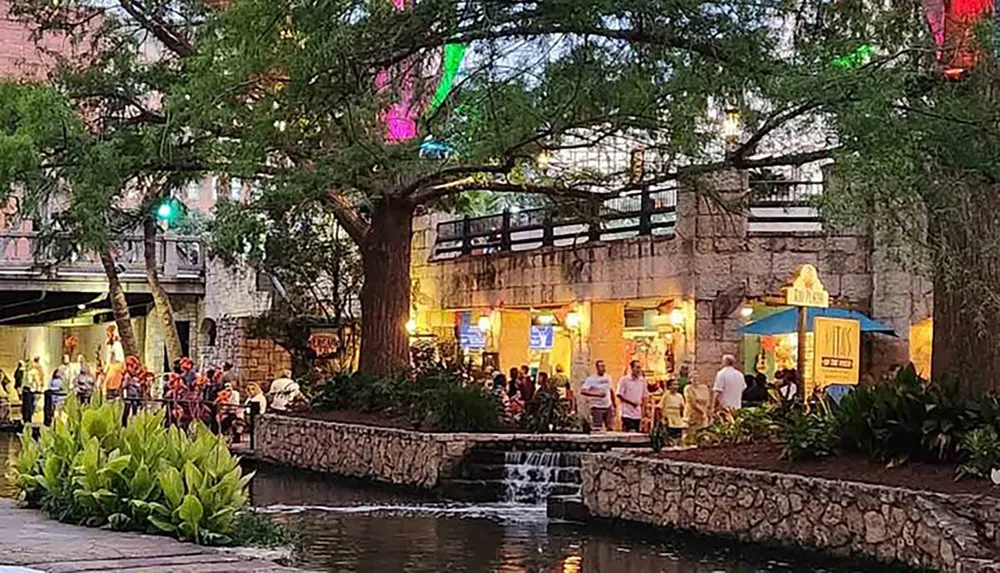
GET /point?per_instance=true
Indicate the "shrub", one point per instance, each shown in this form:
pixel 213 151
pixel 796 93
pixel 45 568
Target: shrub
pixel 547 412
pixel 980 451
pixel 256 529
pixel 658 437
pixel 437 398
pixel 742 427
pixel 807 436
pixel 88 469
pixel 907 418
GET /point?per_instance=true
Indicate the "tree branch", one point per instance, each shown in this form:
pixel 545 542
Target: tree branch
pixel 162 30
pixel 347 214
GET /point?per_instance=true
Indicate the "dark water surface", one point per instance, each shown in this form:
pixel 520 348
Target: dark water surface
pixel 351 526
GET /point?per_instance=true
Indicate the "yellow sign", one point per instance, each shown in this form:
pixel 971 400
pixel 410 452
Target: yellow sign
pixel 806 290
pixel 837 352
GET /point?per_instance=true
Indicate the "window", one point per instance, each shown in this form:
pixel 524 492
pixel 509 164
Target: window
pixel 193 190
pixel 208 332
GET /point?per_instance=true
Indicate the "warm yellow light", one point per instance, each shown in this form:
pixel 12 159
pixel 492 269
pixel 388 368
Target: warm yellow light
pixel 483 324
pixel 411 326
pixel 546 319
pixel 543 160
pixel 746 312
pixel 677 317
pixel 572 320
pixel 731 124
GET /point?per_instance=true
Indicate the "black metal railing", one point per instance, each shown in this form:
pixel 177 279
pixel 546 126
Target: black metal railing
pixel 212 413
pixel 643 213
pixel 784 206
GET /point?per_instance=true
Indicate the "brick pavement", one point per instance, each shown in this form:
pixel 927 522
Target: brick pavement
pixel 29 539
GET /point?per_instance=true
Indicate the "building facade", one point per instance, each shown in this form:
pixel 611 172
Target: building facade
pixel 668 280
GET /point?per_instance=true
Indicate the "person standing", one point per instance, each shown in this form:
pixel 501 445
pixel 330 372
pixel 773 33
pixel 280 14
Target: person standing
pixel 282 392
pixel 632 390
pixel 597 389
pixel 229 375
pixel 697 403
pixel 672 409
pixel 729 385
pixel 527 384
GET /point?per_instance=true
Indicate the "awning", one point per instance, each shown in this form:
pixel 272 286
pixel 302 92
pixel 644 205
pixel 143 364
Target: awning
pixel 786 321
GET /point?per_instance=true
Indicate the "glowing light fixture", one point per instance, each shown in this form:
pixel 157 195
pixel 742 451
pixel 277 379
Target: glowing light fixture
pixel 411 327
pixel 483 324
pixel 731 124
pixel 546 318
pixel 746 312
pixel 573 320
pixel 677 317
pixel 81 306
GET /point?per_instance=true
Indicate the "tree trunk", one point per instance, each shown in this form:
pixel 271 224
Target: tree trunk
pixel 966 345
pixel 119 304
pixel 385 295
pixel 160 298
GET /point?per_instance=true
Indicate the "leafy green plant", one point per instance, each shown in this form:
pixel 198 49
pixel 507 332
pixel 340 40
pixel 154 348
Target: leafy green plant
pixel 437 398
pixel 91 470
pixel 980 451
pixel 742 427
pixel 256 529
pixel 807 436
pixel 658 437
pixel 547 412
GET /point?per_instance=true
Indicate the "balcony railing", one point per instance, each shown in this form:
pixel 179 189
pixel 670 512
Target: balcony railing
pixel 643 213
pixel 778 207
pixel 177 258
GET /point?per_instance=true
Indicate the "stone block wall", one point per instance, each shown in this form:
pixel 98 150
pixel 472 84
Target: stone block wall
pixel 388 455
pixel 255 360
pixel 954 533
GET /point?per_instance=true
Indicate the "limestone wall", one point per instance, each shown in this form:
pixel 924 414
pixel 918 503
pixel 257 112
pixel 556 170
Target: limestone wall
pixel 394 456
pixel 921 529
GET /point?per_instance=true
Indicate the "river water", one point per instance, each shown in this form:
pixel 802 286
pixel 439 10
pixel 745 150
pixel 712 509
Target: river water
pixel 349 526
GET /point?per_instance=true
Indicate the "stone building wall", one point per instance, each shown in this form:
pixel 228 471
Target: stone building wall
pixel 712 256
pixel 921 529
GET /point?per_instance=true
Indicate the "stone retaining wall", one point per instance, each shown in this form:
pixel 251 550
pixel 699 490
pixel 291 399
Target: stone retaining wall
pixel 954 533
pixel 402 457
pixel 399 457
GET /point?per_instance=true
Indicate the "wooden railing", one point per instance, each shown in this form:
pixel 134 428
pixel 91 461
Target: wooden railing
pixel 643 213
pixel 177 257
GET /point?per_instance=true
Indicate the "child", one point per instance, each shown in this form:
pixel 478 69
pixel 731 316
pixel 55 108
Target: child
pixel 672 408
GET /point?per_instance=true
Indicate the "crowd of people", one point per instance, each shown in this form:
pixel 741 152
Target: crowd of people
pixel 681 402
pixel 210 394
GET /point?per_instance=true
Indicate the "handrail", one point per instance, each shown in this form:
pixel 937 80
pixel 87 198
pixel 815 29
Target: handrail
pixel 643 213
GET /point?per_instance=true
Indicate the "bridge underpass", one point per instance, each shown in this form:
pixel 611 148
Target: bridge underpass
pixel 65 309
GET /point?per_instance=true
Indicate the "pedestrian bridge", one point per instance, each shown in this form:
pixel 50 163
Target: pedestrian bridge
pixel 23 268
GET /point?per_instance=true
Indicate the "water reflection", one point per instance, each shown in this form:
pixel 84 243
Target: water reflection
pixel 351 526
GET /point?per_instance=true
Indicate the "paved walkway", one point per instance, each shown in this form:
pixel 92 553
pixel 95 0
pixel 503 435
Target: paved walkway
pixel 29 539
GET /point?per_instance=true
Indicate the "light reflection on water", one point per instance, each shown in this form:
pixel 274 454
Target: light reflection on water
pixel 350 526
pixel 353 526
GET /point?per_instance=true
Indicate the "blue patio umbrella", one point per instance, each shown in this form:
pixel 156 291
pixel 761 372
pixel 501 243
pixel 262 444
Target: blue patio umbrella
pixel 786 321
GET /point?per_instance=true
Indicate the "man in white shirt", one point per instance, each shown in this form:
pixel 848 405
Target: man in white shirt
pixel 597 389
pixel 632 391
pixel 282 392
pixel 729 385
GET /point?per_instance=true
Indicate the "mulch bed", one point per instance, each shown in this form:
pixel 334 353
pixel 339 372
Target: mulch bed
pixel 913 475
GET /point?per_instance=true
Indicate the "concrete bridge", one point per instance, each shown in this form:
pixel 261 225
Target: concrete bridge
pixel 35 289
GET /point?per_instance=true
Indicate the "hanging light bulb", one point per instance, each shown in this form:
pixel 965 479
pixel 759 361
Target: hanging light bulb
pixel 573 320
pixel 484 324
pixel 411 327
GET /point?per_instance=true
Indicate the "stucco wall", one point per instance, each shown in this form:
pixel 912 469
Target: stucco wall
pixel 921 529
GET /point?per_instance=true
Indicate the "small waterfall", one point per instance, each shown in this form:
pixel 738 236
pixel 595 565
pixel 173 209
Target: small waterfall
pixel 531 477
